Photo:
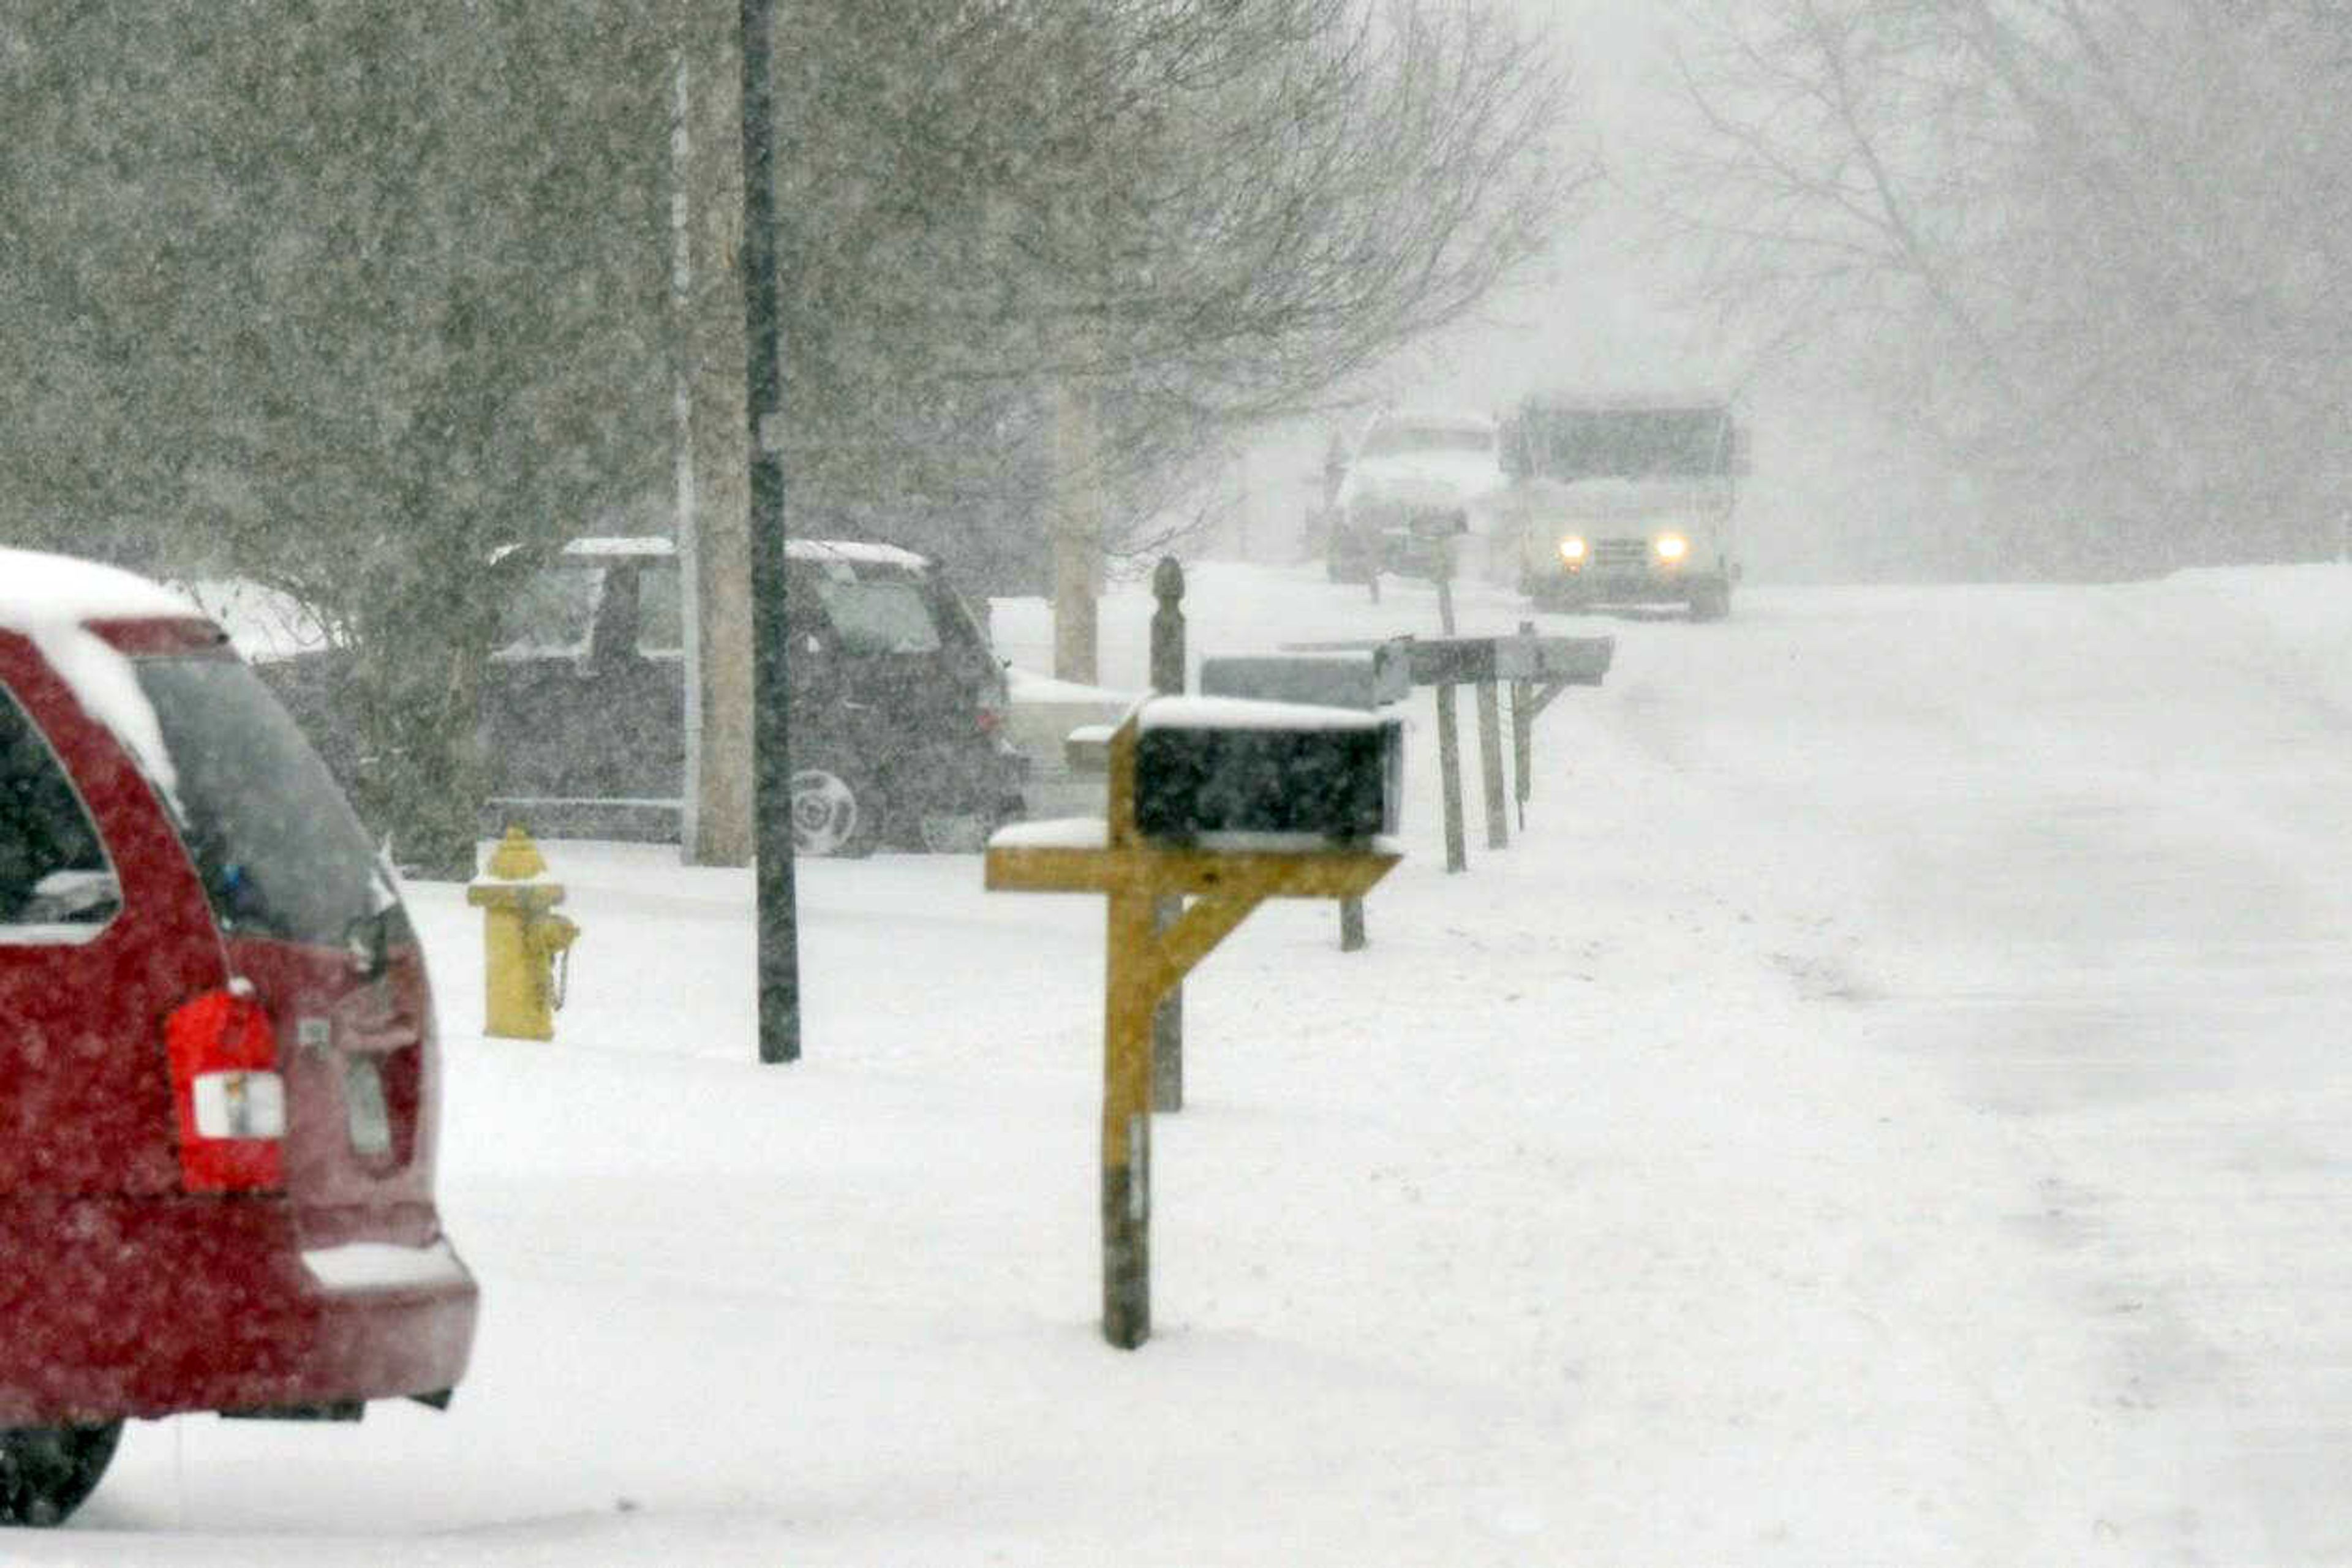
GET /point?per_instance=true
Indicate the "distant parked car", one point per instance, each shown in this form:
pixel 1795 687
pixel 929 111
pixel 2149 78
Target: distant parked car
pixel 896 704
pixel 218 1072
pixel 1416 482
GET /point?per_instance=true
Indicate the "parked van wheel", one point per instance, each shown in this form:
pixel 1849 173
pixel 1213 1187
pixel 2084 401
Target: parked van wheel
pixel 46 1472
pixel 834 811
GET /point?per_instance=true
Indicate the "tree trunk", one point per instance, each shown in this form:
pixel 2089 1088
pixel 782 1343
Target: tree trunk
pixel 1078 533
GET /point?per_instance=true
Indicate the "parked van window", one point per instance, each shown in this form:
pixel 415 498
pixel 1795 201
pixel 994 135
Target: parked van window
pixel 53 866
pixel 277 848
pixel 878 616
pixel 550 612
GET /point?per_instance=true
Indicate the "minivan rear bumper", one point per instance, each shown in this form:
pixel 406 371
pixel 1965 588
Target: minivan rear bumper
pixel 123 1307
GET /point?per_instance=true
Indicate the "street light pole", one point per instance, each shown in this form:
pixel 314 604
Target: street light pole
pixel 780 981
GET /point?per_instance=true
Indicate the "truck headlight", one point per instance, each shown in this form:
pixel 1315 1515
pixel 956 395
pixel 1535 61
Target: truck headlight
pixel 1572 552
pixel 1672 548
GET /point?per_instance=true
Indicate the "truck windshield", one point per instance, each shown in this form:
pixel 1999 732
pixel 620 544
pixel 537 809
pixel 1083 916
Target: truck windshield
pixel 271 835
pixel 1631 444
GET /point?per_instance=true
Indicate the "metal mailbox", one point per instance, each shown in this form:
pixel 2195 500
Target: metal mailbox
pixel 1455 661
pixel 1573 661
pixel 1358 678
pixel 1210 765
pixel 1466 661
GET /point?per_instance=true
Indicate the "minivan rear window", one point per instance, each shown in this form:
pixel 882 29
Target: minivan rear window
pixel 275 841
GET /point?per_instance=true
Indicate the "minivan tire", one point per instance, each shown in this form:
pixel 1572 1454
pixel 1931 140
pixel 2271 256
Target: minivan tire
pixel 46 1472
pixel 835 809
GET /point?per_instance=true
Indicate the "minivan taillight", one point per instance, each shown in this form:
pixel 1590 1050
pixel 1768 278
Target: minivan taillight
pixel 225 1092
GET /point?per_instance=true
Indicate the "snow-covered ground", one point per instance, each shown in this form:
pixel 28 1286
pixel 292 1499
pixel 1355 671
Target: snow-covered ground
pixel 1890 1105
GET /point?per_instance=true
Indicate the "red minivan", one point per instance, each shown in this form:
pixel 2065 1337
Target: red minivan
pixel 218 1072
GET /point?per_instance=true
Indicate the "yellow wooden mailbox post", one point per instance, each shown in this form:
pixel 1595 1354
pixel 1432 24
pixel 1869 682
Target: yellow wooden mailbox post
pixel 1251 808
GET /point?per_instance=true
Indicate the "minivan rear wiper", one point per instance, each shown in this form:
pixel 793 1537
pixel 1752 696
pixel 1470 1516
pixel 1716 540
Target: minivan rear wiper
pixel 368 937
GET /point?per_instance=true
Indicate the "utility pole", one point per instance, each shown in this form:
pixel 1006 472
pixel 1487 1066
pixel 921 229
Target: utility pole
pixel 683 359
pixel 780 980
pixel 709 469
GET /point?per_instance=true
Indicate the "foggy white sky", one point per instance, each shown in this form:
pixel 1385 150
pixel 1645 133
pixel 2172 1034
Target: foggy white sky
pixel 1593 310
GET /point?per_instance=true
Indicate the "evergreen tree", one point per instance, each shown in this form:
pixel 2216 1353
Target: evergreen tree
pixel 345 297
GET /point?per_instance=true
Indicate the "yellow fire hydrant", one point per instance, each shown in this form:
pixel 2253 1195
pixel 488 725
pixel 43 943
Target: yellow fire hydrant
pixel 526 946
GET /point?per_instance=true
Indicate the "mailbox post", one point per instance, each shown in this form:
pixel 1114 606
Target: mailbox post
pixel 1523 712
pixel 1205 803
pixel 1554 664
pixel 1168 679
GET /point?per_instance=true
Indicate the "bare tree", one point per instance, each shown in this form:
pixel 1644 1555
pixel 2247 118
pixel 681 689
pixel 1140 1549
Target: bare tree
pixel 2091 248
pixel 1139 223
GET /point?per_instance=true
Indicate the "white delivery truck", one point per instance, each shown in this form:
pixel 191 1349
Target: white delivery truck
pixel 1624 498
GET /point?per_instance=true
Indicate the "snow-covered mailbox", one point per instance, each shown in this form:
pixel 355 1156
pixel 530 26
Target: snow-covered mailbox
pixel 1223 803
pixel 1359 679
pixel 1209 765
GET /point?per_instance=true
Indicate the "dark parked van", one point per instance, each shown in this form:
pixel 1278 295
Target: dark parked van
pixel 218 1071
pixel 897 705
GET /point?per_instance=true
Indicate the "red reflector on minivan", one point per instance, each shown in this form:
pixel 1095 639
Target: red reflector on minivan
pixel 225 1093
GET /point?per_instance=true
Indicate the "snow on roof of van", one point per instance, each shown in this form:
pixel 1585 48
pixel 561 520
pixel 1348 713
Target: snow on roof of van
pixel 631 544
pixel 52 599
pixel 853 550
pixel 38 589
pixel 850 549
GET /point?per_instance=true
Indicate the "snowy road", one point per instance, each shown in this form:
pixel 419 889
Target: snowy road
pixel 1887 1107
pixel 2101 851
